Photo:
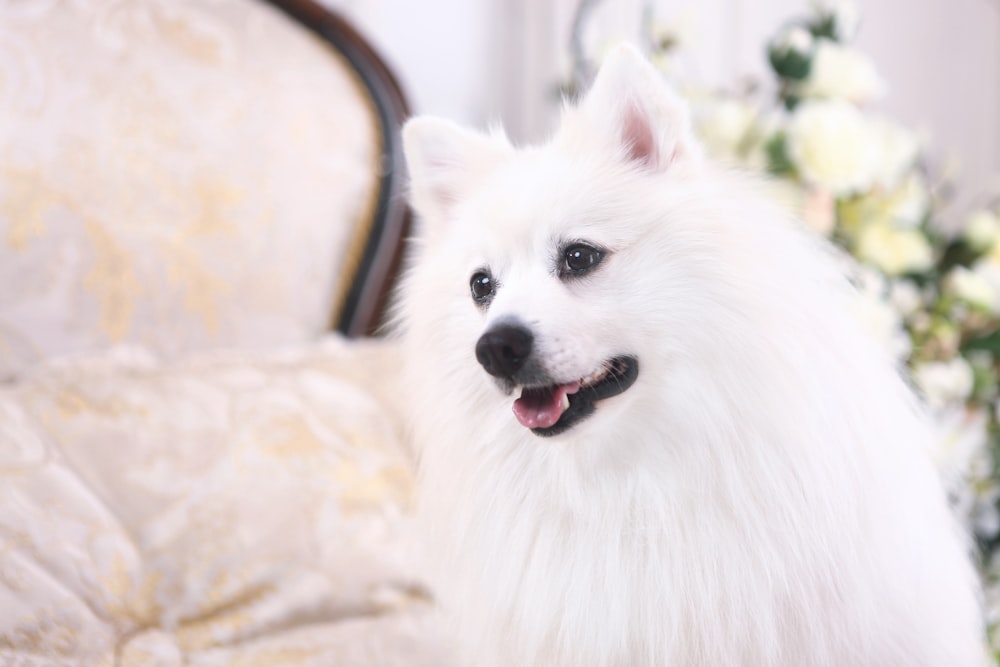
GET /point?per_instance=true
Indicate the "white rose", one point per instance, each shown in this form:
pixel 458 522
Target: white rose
pixel 796 39
pixel 846 19
pixel 840 72
pixel 944 382
pixel 907 205
pixel 894 250
pixel 986 518
pixel 666 40
pixel 981 230
pixel 960 440
pixel 724 126
pixel 883 325
pixel 905 296
pixel 679 31
pixel 988 269
pixel 876 316
pixel 974 287
pixel 896 151
pixel 831 145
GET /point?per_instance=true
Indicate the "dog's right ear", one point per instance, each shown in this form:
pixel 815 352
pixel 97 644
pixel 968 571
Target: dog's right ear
pixel 638 115
pixel 444 161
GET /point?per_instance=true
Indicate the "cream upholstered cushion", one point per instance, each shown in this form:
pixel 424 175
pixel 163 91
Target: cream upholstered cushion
pixel 176 173
pixel 227 511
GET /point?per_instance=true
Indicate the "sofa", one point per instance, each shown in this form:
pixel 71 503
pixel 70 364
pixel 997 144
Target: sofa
pixel 201 460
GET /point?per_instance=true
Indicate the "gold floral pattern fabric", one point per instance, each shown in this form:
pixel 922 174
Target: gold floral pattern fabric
pixel 178 174
pixel 221 511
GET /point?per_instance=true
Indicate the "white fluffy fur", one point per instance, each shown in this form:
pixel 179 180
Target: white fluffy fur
pixel 760 496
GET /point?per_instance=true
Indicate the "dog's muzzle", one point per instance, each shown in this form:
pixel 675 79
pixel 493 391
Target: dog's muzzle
pixel 547 405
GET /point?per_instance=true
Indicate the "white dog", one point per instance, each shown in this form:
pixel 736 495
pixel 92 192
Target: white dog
pixel 650 433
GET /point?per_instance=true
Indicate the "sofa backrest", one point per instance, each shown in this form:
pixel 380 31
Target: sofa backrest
pixel 186 175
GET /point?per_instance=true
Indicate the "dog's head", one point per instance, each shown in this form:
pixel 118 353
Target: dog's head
pixel 568 271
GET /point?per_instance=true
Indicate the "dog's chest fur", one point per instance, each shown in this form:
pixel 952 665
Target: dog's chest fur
pixel 646 570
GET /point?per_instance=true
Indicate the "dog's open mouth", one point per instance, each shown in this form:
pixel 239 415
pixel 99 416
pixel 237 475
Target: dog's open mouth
pixel 551 409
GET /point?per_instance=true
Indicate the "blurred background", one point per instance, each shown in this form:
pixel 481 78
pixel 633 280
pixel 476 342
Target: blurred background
pixel 498 59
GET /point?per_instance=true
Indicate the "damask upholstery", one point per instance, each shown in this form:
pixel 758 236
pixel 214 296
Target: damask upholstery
pixel 192 470
pixel 220 511
pixel 176 173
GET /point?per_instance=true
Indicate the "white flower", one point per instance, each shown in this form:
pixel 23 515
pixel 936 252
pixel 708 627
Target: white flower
pixel 680 31
pixel 981 465
pixel 988 269
pixel 975 286
pixel 894 250
pixel 962 453
pixel 724 126
pixel 876 316
pixel 831 145
pixel 907 205
pixel 883 325
pixel 905 296
pixel 796 39
pixel 666 39
pixel 960 439
pixel 846 19
pixel 840 72
pixel 985 517
pixel 944 382
pixel 982 230
pixel 896 150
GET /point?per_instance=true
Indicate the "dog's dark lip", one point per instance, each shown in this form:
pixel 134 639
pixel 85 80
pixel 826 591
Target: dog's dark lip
pixel 623 372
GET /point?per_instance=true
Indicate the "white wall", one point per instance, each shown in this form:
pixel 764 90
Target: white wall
pixel 941 59
pixel 442 51
pixel 481 60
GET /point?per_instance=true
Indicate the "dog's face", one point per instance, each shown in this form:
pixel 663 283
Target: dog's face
pixel 552 274
pixel 545 282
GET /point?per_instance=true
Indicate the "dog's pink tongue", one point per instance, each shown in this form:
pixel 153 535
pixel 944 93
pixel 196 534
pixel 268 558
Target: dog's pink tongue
pixel 541 408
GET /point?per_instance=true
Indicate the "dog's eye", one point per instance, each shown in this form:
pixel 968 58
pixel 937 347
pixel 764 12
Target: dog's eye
pixel 482 287
pixel 580 258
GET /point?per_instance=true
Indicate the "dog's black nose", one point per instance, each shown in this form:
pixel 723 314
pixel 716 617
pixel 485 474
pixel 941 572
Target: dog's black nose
pixel 503 349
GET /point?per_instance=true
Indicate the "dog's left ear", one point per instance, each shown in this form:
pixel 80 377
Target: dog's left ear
pixel 631 106
pixel 445 162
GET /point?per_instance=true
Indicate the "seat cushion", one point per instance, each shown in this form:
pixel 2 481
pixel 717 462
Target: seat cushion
pixel 224 511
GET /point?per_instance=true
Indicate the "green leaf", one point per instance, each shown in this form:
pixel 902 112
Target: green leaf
pixel 824 25
pixel 790 100
pixel 984 385
pixel 957 253
pixel 789 64
pixel 990 342
pixel 778 162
